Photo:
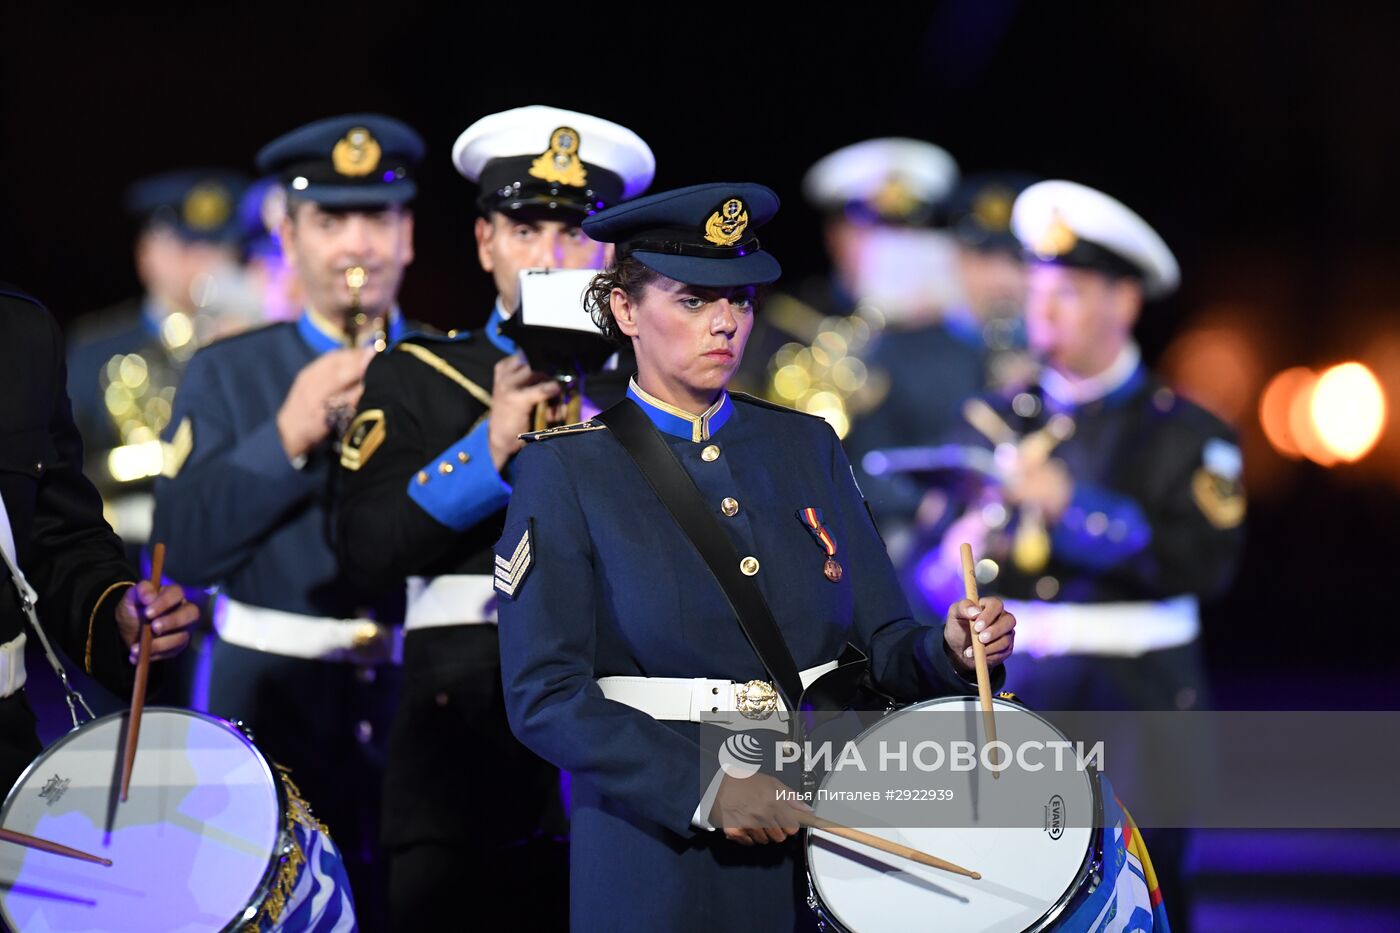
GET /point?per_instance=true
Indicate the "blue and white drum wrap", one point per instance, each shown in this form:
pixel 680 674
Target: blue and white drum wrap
pixel 211 838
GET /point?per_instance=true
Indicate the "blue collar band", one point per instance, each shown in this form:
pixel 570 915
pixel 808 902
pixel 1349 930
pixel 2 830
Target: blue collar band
pixel 678 422
pixel 493 331
pixel 321 338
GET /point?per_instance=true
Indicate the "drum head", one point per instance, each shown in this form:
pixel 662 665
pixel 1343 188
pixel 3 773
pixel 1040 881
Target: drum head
pixel 1029 871
pixel 190 848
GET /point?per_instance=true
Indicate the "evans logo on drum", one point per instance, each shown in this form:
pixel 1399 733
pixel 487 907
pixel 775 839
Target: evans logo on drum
pixel 1055 817
pixel 54 789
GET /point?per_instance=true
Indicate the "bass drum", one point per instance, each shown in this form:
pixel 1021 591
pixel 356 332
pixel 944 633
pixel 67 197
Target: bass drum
pixel 1032 872
pixel 212 837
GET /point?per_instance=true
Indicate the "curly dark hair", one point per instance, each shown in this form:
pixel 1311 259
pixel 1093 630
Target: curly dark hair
pixel 632 277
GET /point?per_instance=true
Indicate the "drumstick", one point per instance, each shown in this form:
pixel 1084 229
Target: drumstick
pixel 143 669
pixel 979 654
pixel 43 845
pixel 812 821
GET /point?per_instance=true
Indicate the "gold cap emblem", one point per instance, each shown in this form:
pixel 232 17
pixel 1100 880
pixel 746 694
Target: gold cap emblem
pixel 727 225
pixel 992 208
pixel 560 164
pixel 895 198
pixel 1056 239
pixel 207 206
pixel 357 154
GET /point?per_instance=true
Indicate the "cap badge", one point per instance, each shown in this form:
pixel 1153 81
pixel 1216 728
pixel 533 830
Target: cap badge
pixel 894 198
pixel 561 164
pixel 1056 239
pixel 207 206
pixel 727 225
pixel 992 208
pixel 357 154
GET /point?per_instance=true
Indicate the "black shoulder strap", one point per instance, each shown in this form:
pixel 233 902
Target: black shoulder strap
pixel 682 499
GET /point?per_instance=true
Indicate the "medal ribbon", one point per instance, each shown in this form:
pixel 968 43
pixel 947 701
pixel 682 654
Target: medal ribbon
pixel 812 518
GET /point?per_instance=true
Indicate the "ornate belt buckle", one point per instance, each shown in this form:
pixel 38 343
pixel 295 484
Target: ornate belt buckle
pixel 757 699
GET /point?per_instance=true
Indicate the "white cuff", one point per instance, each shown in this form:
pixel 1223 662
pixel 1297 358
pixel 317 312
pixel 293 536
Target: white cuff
pixel 701 819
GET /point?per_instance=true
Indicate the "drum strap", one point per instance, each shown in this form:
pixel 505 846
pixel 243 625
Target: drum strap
pixel 28 599
pixel 677 491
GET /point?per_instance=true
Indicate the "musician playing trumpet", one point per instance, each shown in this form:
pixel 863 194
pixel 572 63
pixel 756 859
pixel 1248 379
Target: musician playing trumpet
pixel 250 471
pixel 429 460
pixel 1121 505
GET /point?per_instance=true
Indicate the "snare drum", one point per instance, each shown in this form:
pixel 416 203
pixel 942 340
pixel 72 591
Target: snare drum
pixel 1035 864
pixel 212 837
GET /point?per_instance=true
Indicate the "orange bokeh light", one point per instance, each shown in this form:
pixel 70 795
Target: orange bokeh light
pixel 1330 418
pixel 1277 409
pixel 1347 411
pixel 1217 367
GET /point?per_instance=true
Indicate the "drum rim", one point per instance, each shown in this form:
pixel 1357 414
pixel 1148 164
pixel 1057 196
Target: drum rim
pixel 1093 853
pixel 284 832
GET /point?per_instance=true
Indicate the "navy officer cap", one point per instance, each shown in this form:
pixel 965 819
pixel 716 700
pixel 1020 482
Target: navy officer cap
pixel 196 204
pixel 701 235
pixel 355 160
pixel 979 211
pixel 545 161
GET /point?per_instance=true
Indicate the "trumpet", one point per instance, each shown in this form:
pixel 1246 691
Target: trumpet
pixel 338 416
pixel 355 279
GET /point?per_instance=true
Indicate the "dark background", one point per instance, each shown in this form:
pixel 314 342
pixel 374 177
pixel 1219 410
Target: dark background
pixel 1259 138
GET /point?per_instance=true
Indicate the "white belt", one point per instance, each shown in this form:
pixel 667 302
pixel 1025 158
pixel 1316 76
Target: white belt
pixel 453 599
pixel 1125 630
pixel 696 699
pixel 133 514
pixel 12 675
pixel 357 641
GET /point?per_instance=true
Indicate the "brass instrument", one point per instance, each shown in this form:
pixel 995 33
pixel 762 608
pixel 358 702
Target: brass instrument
pixel 824 373
pixel 338 416
pixel 1030 545
pixel 355 279
pixel 1017 532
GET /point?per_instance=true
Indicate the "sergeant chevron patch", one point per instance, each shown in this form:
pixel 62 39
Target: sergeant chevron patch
pixel 510 572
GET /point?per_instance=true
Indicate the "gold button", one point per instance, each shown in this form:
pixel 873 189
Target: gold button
pixel 749 566
pixel 422 477
pixel 710 454
pixel 444 468
pixel 729 507
pixel 463 456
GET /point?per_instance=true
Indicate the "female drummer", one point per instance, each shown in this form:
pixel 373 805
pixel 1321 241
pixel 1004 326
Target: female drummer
pixel 597 581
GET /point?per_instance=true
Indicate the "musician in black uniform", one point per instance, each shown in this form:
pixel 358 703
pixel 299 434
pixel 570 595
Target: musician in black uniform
pixel 51 527
pixel 428 463
pixel 1119 506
